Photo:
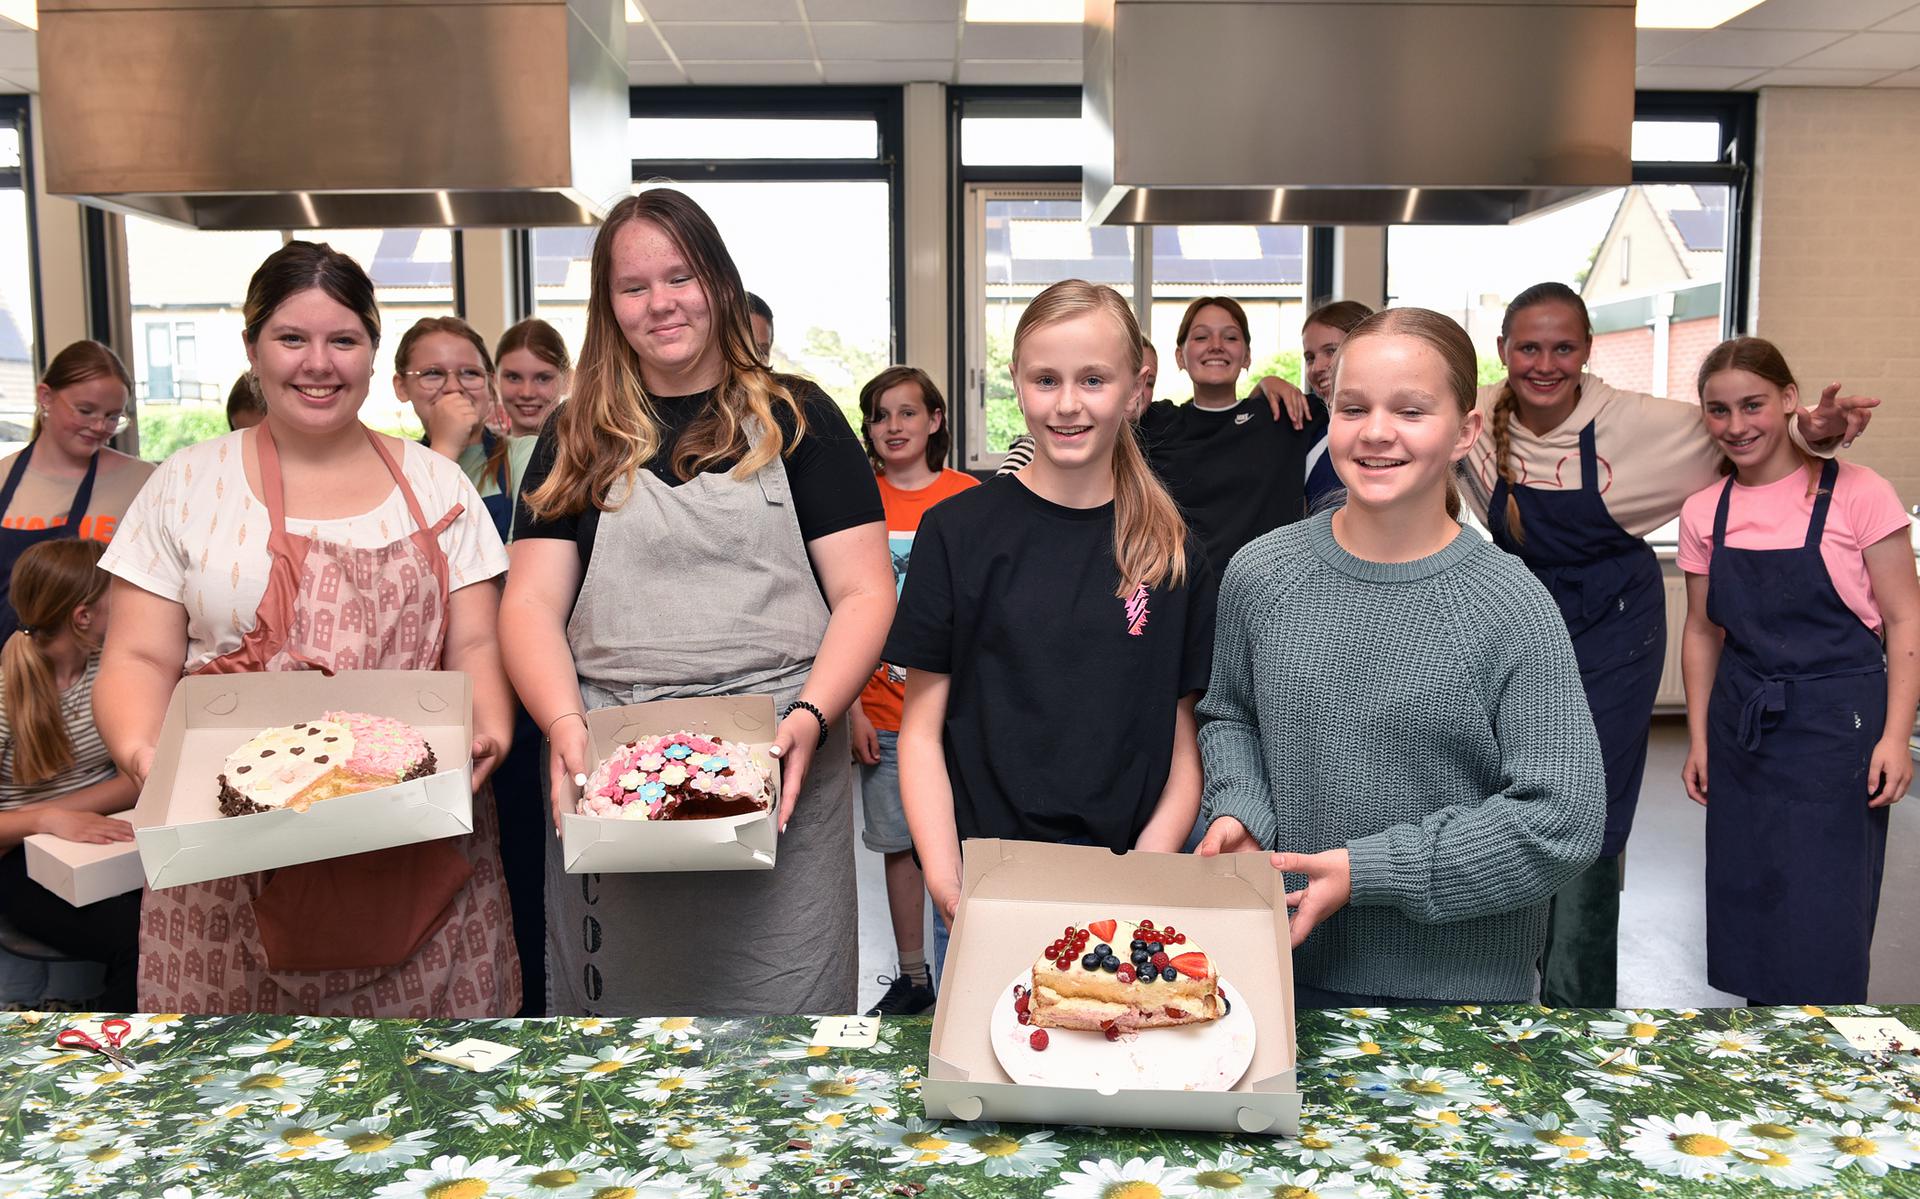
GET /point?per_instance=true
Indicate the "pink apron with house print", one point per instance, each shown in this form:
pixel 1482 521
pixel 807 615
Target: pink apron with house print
pixel 337 607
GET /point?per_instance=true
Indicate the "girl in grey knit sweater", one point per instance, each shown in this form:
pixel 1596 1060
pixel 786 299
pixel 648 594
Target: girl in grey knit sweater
pixel 1395 706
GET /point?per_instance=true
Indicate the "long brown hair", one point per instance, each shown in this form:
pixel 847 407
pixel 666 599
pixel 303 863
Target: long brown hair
pixel 607 429
pixel 1343 315
pixel 299 265
pixel 50 580
pixel 1500 423
pixel 453 325
pixel 1149 535
pixel 937 441
pixel 79 362
pixel 1758 356
pixel 538 338
pixel 1445 337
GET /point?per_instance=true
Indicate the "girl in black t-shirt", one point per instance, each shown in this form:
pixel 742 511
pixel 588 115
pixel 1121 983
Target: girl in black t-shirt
pixel 1057 625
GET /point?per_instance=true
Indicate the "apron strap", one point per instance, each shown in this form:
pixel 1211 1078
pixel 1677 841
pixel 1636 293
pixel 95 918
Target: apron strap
pixel 425 537
pixel 1822 499
pixel 1720 514
pixel 82 496
pixel 1589 460
pixel 14 476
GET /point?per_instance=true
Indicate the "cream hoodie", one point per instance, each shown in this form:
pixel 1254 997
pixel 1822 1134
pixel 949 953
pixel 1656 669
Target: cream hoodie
pixel 1652 454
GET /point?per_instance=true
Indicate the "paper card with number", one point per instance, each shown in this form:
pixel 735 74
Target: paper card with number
pixel 472 1054
pixel 847 1032
pixel 1875 1034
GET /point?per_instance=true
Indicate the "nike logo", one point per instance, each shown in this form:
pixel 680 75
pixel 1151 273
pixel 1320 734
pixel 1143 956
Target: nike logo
pixel 1243 418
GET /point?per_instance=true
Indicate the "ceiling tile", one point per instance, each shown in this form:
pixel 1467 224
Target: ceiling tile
pixel 879 40
pixel 752 73
pixel 1747 48
pixel 1907 22
pixel 1817 14
pixel 654 74
pixel 1888 51
pixel 1650 45
pixel 17 53
pixel 722 10
pixel 897 71
pixel 643 44
pixel 1819 77
pixel 1692 79
pixel 1016 42
pixel 1020 72
pixel 885 10
pixel 1904 79
pixel 740 42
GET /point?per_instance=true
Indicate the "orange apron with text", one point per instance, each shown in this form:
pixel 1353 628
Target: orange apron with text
pixel 418 930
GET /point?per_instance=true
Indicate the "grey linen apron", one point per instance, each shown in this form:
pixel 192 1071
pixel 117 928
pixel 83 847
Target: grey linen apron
pixel 706 589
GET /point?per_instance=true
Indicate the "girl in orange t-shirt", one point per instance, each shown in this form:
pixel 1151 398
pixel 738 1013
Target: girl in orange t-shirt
pixel 904 421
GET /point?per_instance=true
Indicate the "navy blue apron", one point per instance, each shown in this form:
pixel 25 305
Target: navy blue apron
pixel 499 506
pixel 1607 584
pixel 1794 854
pixel 14 542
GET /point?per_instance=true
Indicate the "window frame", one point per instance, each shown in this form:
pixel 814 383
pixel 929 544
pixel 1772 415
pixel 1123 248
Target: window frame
pixel 17 110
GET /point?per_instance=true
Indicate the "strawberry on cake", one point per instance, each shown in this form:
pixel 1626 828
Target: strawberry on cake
pixel 1081 981
pixel 295 766
pixel 677 776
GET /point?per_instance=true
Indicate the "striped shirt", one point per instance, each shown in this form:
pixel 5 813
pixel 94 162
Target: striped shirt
pixel 91 762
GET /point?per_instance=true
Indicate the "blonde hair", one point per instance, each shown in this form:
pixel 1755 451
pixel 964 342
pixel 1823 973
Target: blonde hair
pixel 1149 535
pixel 50 580
pixel 1500 423
pixel 607 429
pixel 1444 336
pixel 1756 356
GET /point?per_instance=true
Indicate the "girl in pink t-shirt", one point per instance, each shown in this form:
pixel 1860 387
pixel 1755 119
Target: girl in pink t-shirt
pixel 1802 666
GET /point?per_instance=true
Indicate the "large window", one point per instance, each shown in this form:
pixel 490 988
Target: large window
pixel 803 186
pixel 187 290
pixel 17 357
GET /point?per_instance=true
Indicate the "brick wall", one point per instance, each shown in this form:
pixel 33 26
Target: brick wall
pixel 1688 344
pixel 1624 358
pixel 1837 255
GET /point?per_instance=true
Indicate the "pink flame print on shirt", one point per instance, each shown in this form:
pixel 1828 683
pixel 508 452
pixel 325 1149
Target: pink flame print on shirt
pixel 1137 611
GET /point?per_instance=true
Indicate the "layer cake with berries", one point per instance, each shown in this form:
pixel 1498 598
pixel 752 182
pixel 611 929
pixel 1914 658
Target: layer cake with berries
pixel 1158 981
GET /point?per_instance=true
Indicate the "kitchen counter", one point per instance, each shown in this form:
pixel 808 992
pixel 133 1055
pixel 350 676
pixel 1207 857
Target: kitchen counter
pixel 1459 1102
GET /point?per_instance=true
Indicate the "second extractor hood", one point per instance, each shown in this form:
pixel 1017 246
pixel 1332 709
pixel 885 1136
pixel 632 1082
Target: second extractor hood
pixel 1353 112
pixel 304 114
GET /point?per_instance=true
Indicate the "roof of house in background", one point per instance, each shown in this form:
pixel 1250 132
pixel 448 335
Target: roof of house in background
pixel 13 339
pixel 1038 242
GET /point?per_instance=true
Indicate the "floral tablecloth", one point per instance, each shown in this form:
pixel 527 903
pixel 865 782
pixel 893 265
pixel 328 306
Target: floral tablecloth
pixel 1464 1101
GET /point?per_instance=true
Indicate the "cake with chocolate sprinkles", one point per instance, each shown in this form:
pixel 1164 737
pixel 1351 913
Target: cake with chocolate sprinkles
pixel 296 766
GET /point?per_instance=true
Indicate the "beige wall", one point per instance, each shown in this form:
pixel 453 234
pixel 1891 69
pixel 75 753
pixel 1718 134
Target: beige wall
pixel 1837 255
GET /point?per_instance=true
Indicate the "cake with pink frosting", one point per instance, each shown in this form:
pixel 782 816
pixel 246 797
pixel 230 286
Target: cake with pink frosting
pixel 296 766
pixel 677 776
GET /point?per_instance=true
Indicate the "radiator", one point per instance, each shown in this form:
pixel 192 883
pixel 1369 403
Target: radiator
pixel 1673 690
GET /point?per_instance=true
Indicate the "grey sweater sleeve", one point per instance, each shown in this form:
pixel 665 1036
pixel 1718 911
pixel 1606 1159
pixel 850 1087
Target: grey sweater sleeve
pixel 1544 826
pixel 1233 761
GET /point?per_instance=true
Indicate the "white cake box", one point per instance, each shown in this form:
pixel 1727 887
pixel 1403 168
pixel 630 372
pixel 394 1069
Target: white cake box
pixel 605 845
pixel 1015 898
pixel 82 873
pixel 183 838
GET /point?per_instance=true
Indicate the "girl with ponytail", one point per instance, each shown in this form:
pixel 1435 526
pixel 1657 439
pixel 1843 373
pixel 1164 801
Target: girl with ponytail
pixel 1057 625
pixel 55 774
pixel 1573 476
pixel 1395 707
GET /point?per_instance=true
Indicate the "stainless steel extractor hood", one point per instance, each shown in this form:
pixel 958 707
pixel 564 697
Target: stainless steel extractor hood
pixel 307 114
pixel 1359 112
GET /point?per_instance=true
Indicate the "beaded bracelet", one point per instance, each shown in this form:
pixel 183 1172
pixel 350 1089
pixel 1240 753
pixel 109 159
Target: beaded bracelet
pixel 804 706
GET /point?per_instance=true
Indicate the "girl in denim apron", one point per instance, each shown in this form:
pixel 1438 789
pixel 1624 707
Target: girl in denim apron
pixel 1572 476
pixel 1802 660
pixel 692 524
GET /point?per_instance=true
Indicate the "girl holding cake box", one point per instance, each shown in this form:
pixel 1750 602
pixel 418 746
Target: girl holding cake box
pixel 693 524
pixel 1802 665
pixel 1052 666
pixel 312 542
pixel 1396 708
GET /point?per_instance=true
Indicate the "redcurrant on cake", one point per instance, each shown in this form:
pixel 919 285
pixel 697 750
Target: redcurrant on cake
pixel 296 766
pixel 678 776
pixel 1092 978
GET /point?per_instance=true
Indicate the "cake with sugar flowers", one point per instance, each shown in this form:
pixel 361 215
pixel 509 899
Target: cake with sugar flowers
pixel 677 776
pixel 296 766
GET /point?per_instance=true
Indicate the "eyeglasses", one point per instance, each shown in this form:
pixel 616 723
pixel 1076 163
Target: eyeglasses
pixel 114 423
pixel 435 378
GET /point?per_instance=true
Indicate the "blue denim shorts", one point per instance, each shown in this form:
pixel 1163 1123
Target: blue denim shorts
pixel 886 830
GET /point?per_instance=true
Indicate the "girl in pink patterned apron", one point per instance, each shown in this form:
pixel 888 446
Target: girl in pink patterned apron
pixel 305 543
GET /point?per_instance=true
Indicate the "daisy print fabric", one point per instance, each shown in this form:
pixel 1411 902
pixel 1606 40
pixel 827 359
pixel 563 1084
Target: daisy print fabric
pixel 1419 1104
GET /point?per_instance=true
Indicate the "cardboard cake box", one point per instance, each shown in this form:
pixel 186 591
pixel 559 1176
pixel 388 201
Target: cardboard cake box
pixel 600 844
pixel 82 873
pixel 182 836
pixel 1015 898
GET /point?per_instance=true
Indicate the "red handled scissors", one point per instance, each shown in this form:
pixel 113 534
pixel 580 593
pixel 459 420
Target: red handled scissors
pixel 114 1032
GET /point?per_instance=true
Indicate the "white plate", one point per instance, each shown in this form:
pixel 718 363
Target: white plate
pixel 1187 1057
